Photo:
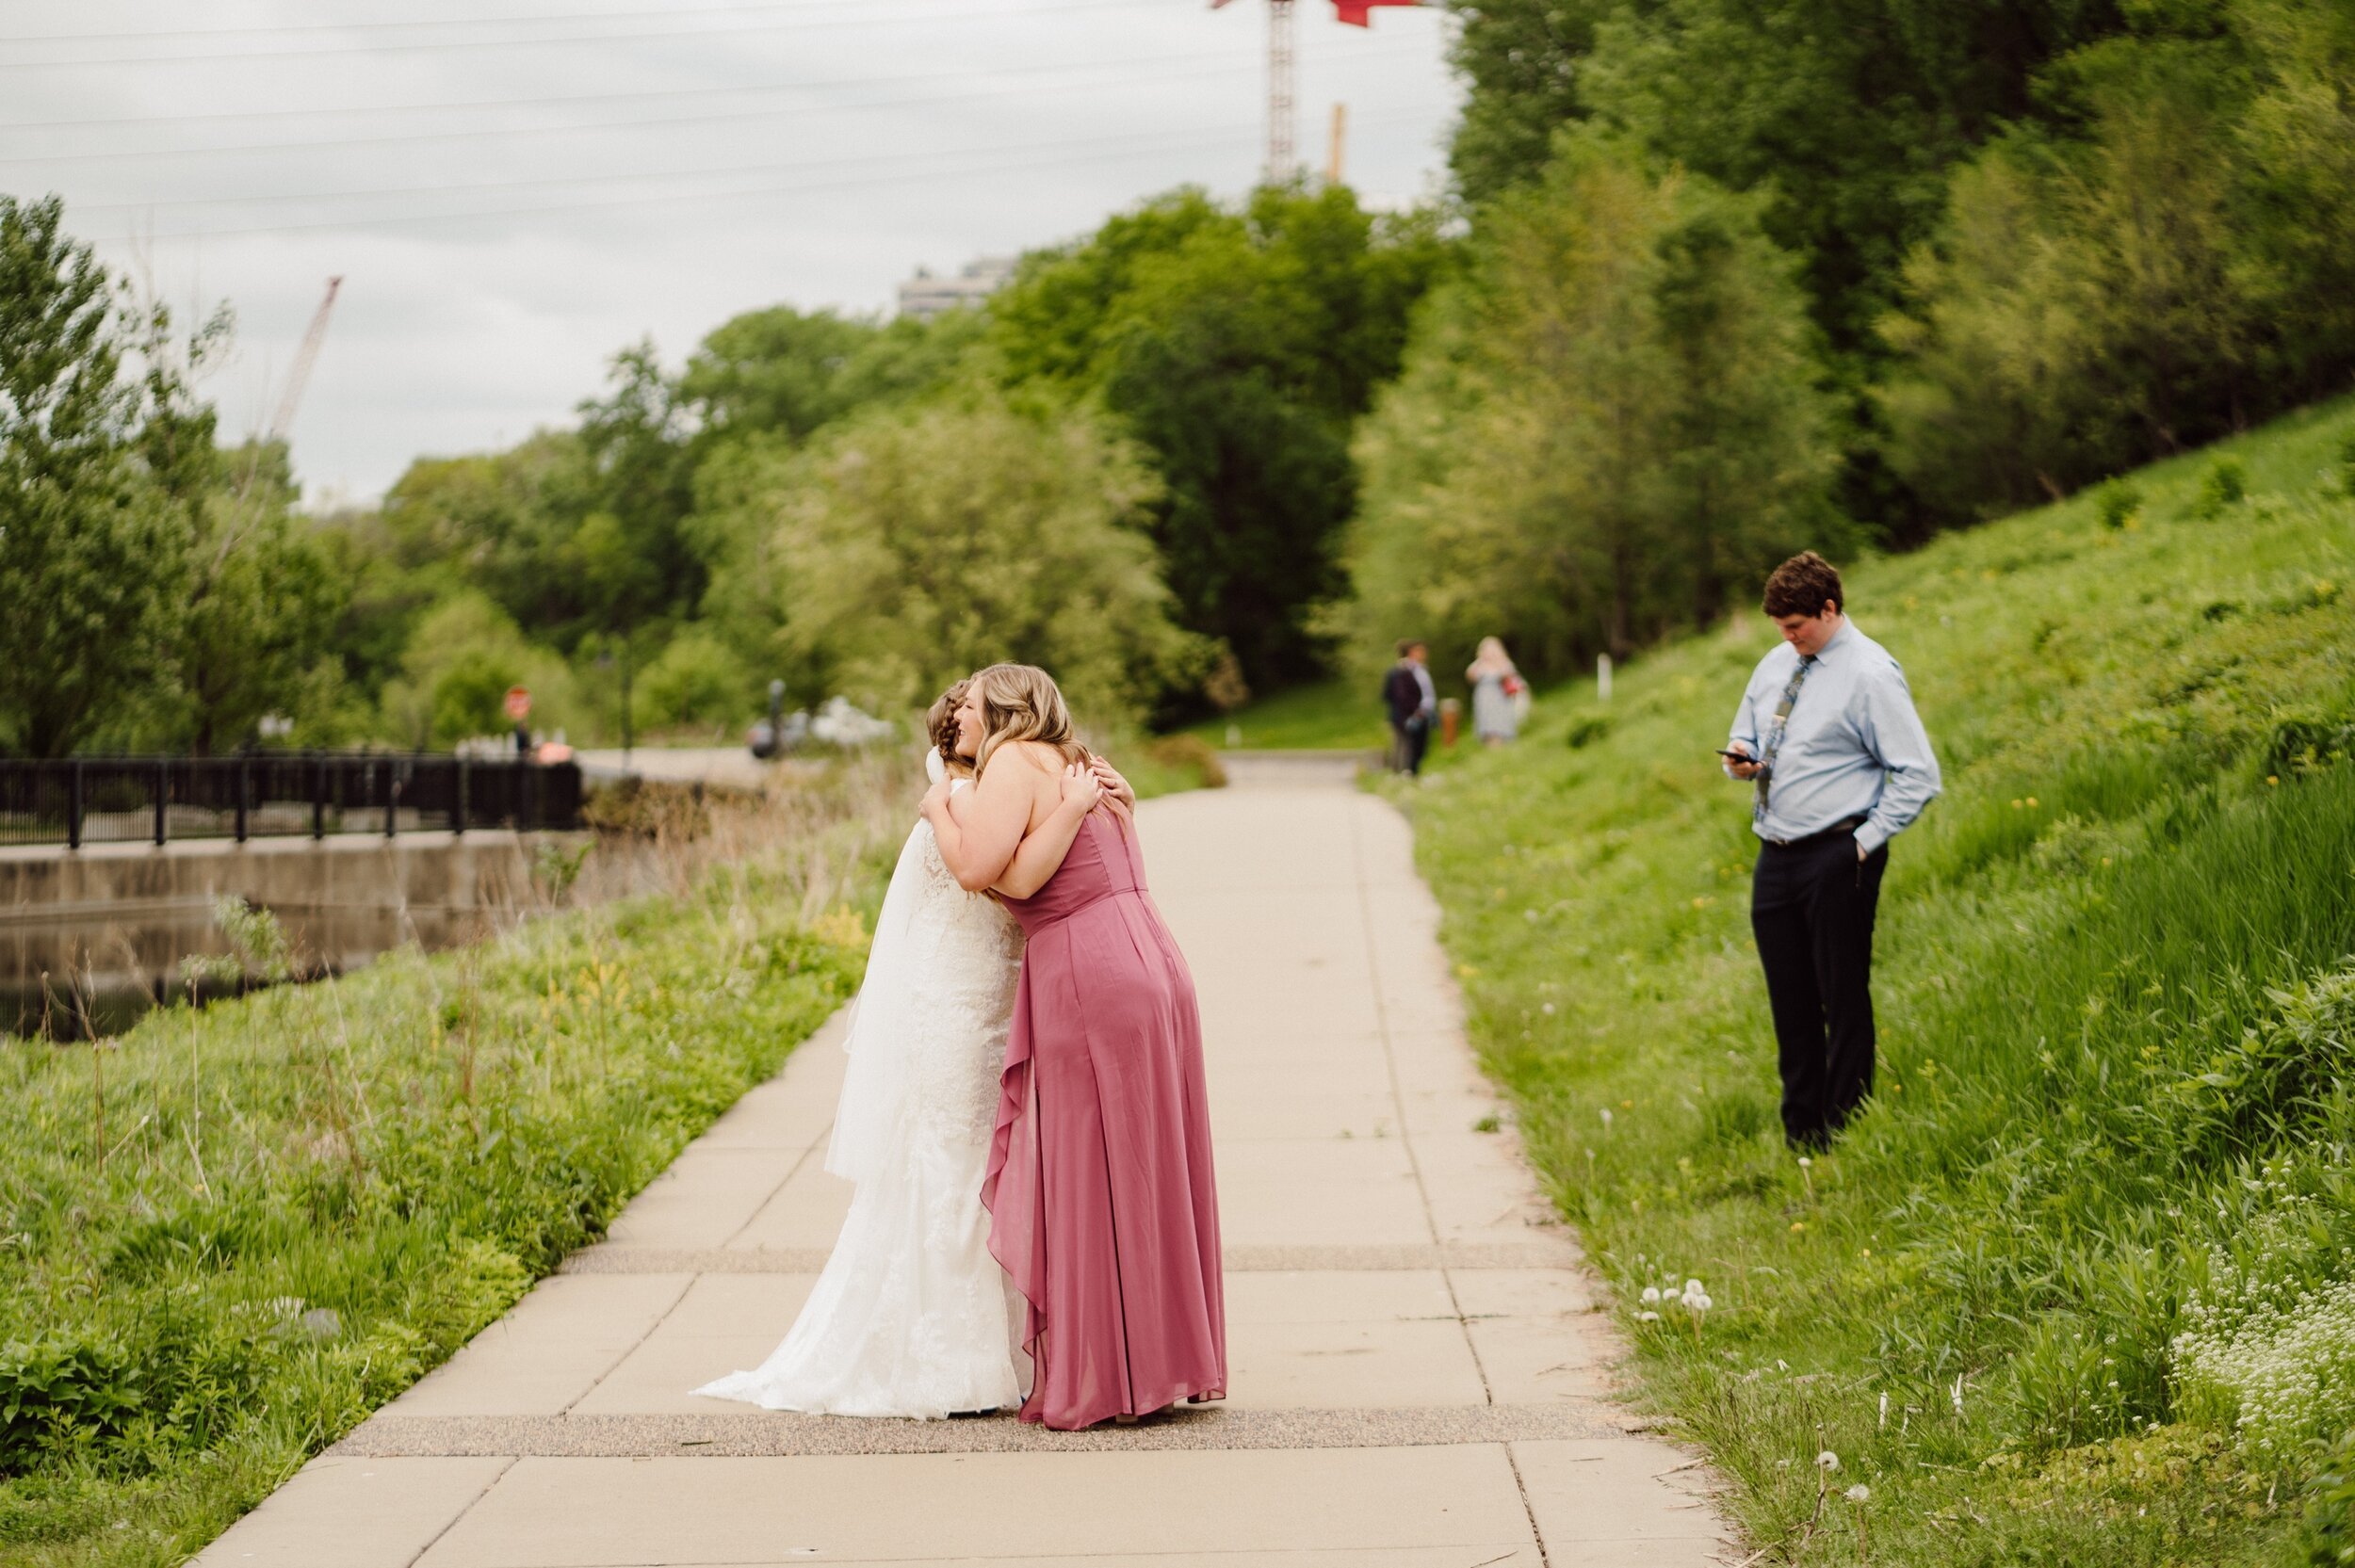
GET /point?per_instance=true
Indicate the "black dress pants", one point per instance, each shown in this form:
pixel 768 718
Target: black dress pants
pixel 1411 737
pixel 1812 908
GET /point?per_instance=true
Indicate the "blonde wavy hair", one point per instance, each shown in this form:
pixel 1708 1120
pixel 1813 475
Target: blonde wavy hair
pixel 1021 702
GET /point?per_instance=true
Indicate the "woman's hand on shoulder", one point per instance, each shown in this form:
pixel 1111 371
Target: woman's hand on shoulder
pixel 1114 784
pixel 1082 789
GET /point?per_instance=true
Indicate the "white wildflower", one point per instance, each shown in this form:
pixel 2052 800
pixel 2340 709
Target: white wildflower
pixel 2278 1370
pixel 1858 1494
pixel 1827 1463
pixel 1648 1318
pixel 1651 1294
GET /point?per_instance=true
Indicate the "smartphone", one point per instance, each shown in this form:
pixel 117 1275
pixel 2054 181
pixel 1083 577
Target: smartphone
pixel 1735 756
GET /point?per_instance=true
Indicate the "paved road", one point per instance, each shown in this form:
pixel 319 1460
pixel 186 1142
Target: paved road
pixel 1417 1368
pixel 720 765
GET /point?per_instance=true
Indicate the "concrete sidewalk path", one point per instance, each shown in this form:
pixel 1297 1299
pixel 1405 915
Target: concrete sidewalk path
pixel 1418 1369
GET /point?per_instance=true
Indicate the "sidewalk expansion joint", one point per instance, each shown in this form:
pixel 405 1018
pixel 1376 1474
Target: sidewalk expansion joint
pixel 786 1434
pixel 1556 1251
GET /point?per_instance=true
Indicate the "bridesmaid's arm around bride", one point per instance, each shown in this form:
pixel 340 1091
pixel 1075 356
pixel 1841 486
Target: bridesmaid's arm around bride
pixel 1014 837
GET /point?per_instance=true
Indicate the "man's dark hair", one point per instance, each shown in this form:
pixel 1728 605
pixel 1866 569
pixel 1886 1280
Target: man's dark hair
pixel 1407 645
pixel 1803 586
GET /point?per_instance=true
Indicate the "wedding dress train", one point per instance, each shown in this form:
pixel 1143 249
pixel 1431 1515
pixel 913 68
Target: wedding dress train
pixel 912 1316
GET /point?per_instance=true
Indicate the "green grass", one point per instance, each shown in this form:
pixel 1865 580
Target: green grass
pixel 228 1235
pixel 1329 715
pixel 2116 977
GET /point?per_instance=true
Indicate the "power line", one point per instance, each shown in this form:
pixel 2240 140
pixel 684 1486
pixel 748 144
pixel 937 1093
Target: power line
pixel 558 182
pixel 448 107
pixel 147 35
pixel 1114 149
pixel 956 14
pixel 1224 60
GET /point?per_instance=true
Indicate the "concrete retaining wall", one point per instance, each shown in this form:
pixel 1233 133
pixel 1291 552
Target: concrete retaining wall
pixel 120 917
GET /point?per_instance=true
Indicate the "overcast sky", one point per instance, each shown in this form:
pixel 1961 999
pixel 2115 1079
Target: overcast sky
pixel 513 193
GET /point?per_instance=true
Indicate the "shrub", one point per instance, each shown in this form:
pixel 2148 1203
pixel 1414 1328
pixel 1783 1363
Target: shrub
pixel 2117 504
pixel 1192 754
pixel 696 680
pixel 2223 486
pixel 62 1383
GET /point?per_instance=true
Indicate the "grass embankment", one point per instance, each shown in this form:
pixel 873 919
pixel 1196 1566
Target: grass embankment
pixel 2075 1288
pixel 1331 716
pixel 228 1235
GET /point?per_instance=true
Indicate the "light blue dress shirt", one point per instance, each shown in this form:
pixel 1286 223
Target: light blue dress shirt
pixel 1853 746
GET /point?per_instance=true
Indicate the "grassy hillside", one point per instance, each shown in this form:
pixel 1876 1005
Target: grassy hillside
pixel 1334 715
pixel 228 1235
pixel 2078 1286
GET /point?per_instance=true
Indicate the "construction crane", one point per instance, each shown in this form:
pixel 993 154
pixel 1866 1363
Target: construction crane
pixel 1282 164
pixel 299 372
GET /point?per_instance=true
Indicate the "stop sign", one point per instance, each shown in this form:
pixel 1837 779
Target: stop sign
pixel 518 703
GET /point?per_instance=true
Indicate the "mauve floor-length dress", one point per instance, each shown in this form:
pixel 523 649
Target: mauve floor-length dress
pixel 1102 1205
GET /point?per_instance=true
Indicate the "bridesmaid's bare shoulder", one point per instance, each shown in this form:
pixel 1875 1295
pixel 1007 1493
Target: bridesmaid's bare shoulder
pixel 1040 755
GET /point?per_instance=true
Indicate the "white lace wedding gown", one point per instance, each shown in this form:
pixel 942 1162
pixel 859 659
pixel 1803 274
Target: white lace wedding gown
pixel 912 1316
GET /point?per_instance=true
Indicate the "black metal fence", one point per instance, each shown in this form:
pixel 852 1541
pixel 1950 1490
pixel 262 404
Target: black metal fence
pixel 278 795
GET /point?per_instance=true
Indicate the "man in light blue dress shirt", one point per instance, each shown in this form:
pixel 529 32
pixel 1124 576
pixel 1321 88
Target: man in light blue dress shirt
pixel 1838 764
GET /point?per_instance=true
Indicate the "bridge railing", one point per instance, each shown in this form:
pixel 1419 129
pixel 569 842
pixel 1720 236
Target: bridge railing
pixel 278 795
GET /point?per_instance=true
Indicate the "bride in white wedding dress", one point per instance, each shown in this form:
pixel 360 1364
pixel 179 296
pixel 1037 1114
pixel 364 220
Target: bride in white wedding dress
pixel 912 1316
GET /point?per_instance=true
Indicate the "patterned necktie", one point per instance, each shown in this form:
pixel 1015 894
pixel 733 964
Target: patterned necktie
pixel 1773 741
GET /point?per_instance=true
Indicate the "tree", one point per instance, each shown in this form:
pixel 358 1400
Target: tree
pixel 464 655
pixel 1519 61
pixel 97 476
pixel 696 680
pixel 1606 423
pixel 261 602
pixel 1238 346
pixel 786 373
pixel 2163 272
pixel 916 546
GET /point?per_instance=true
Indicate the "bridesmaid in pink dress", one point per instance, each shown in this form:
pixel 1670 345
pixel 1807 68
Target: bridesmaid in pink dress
pixel 1102 1205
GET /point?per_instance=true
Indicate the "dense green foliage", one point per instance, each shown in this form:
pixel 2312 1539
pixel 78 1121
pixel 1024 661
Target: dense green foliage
pixel 1606 426
pixel 1135 465
pixel 228 1235
pixel 2178 260
pixel 2043 239
pixel 154 581
pixel 2090 1240
pixel 916 546
pixel 1238 347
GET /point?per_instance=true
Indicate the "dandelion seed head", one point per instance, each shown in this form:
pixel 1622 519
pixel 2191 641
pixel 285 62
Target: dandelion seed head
pixel 1859 1492
pixel 1827 1461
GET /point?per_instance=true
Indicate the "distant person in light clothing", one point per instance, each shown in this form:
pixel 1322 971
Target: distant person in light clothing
pixel 1840 764
pixel 1498 693
pixel 1412 702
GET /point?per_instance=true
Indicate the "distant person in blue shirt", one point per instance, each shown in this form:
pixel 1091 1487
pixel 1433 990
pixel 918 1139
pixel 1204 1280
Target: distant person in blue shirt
pixel 1838 764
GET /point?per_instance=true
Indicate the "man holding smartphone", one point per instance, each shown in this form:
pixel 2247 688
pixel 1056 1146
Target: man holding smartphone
pixel 1838 764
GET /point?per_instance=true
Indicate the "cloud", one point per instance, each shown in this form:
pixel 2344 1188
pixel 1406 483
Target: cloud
pixel 510 202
